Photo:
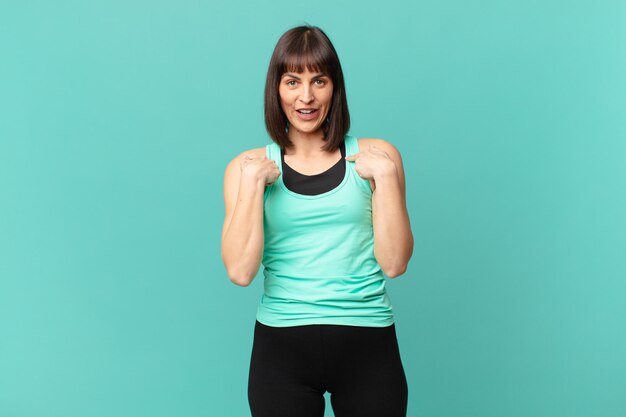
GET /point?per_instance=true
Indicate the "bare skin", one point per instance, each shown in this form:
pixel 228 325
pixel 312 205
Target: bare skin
pixel 245 180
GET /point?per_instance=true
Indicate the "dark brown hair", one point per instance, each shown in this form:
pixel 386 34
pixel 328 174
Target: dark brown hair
pixel 299 48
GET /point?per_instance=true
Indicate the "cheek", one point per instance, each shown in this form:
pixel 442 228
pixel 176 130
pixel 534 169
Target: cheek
pixel 328 96
pixel 284 103
pixel 286 99
pixel 282 93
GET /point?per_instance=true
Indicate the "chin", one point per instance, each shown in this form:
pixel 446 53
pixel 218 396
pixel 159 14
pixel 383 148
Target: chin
pixel 306 130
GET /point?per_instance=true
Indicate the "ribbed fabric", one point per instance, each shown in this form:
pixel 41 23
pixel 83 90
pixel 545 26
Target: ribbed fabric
pixel 318 259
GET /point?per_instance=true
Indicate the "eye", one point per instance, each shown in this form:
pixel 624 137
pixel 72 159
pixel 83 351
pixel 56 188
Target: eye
pixel 289 83
pixel 320 82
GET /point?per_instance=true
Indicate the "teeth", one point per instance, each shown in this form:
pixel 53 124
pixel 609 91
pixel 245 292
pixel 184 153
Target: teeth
pixel 306 111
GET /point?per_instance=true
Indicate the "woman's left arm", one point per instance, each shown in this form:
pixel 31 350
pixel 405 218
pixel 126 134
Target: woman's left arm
pixel 380 162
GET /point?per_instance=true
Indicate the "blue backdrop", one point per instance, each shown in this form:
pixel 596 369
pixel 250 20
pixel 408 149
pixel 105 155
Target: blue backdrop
pixel 117 120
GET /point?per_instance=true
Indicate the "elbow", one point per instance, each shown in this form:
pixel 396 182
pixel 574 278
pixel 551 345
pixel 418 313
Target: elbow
pixel 240 278
pixel 395 271
pixel 400 265
pixel 241 282
pixel 236 271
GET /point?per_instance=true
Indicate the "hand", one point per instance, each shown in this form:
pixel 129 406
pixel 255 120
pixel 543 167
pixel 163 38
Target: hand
pixel 260 168
pixel 372 162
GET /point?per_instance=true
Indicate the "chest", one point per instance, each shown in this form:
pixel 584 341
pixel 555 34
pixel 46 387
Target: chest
pixel 346 205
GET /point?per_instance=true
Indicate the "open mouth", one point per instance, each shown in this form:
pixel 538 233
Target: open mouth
pixel 307 114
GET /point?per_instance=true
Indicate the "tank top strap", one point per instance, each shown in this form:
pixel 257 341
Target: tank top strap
pixel 352 145
pixel 272 151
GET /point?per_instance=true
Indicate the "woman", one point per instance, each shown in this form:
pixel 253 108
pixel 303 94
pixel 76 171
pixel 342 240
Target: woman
pixel 325 213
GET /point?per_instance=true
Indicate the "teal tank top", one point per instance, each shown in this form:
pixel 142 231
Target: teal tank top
pixel 318 258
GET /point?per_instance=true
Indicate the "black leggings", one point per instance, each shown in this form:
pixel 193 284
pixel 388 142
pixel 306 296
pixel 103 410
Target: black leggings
pixel 292 367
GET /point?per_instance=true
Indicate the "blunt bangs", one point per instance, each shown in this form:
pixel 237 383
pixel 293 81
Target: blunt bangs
pixel 299 49
pixel 305 55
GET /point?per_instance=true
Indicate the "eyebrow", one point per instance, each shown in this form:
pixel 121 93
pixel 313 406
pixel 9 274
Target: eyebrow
pixel 291 74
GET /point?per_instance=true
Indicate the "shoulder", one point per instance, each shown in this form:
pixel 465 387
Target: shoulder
pixel 253 152
pixel 391 151
pixel 231 173
pixel 383 144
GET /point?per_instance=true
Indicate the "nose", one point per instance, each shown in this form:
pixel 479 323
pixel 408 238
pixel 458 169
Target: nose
pixel 306 96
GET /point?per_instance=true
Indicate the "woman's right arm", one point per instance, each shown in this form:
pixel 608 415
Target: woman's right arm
pixel 242 234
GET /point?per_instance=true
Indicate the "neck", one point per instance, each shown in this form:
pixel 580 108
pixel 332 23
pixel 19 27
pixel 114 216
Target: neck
pixel 306 144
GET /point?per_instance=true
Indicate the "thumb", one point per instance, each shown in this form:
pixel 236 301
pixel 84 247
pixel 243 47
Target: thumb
pixel 350 157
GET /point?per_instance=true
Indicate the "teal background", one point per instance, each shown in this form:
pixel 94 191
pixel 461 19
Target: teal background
pixel 117 119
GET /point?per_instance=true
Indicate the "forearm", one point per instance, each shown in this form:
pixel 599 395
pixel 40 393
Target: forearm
pixel 242 245
pixel 393 239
